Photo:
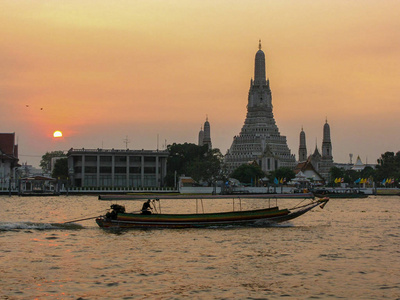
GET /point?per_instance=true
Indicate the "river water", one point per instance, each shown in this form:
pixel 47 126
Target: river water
pixel 349 249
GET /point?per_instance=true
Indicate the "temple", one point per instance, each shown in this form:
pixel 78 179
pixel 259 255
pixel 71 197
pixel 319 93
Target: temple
pixel 302 147
pixel 327 159
pixel 205 135
pixel 259 140
pixel 321 163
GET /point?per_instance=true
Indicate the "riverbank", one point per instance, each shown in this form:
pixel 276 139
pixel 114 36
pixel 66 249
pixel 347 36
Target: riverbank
pixel 191 190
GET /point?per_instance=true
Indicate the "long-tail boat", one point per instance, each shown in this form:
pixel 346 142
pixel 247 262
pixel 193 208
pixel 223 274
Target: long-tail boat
pixel 340 193
pixel 119 218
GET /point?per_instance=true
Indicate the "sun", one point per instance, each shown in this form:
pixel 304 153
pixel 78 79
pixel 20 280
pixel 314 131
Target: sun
pixel 57 134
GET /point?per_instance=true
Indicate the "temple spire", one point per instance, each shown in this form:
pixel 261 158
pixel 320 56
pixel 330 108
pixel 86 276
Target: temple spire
pixel 259 67
pixel 259 140
pixel 302 146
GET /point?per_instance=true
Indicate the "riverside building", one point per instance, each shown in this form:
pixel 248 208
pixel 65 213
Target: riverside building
pixel 8 159
pixel 259 139
pixel 117 168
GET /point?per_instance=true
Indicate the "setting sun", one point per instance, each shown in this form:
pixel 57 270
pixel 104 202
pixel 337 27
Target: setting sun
pixel 57 134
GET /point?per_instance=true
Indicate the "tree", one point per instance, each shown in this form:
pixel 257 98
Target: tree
pixel 207 168
pixel 284 172
pixel 388 166
pixel 351 175
pixel 336 172
pixel 60 169
pixel 368 172
pixel 248 173
pixel 192 160
pixel 45 162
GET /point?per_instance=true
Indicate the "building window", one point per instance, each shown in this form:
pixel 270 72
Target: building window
pixel 91 158
pixel 119 181
pixel 106 170
pixel 120 170
pixel 135 180
pixel 149 181
pixel 120 158
pixel 136 170
pixel 105 180
pixel 150 159
pixel 105 158
pixel 90 169
pixel 135 159
pixel 149 170
pixel 90 180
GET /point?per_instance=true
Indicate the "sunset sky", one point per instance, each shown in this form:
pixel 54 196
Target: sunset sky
pixel 102 70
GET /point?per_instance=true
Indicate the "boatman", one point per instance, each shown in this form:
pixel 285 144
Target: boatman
pixel 146 208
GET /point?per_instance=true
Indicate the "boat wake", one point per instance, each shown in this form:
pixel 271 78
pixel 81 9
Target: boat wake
pixel 14 226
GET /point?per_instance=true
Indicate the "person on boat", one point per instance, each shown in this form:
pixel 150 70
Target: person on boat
pixel 146 208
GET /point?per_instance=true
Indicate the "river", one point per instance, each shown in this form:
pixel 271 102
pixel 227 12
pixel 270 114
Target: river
pixel 349 249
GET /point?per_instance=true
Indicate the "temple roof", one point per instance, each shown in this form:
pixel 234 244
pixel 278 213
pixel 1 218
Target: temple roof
pixel 307 167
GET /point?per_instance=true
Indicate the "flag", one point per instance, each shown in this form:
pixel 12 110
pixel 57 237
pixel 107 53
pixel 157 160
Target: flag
pixel 358 180
pixel 342 180
pixel 276 181
pixel 383 182
pixel 281 181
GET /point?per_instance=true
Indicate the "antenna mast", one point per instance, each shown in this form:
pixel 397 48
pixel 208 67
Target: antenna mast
pixel 126 141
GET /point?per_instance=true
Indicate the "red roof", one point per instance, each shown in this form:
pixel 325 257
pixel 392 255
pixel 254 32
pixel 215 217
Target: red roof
pixel 187 180
pixel 7 145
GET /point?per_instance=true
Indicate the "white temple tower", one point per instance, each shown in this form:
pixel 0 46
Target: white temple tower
pixel 205 135
pixel 201 136
pixel 327 159
pixel 302 147
pixel 259 139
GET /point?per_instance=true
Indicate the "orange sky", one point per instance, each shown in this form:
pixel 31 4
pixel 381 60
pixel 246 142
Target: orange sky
pixel 103 70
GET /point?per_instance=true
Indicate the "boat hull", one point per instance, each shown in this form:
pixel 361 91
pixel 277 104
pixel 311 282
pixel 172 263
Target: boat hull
pixel 341 195
pixel 259 217
pixel 192 220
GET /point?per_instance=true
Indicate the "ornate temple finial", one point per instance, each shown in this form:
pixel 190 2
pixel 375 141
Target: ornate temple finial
pixel 207 118
pixel 259 44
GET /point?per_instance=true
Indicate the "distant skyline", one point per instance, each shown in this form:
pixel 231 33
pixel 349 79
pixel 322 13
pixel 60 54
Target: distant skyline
pixel 101 71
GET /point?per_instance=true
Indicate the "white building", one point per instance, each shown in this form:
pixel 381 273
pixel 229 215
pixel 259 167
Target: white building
pixel 117 168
